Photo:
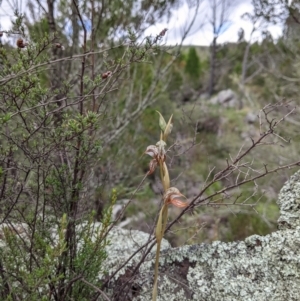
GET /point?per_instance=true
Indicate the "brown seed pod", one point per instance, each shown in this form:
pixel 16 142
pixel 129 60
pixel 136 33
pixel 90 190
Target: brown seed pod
pixel 58 45
pixel 163 32
pixel 106 74
pixel 20 43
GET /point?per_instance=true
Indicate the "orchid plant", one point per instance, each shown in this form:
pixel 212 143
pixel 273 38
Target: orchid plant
pixel 171 194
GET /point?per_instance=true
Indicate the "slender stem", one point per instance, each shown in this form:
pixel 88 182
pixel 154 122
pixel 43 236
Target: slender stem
pixel 161 223
pixel 154 292
pixel 92 50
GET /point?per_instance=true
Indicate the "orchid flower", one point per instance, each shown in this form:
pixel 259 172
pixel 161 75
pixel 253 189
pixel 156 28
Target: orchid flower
pixel 171 194
pixel 171 197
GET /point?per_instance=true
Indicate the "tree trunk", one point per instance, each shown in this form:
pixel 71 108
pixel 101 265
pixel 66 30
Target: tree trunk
pixel 212 66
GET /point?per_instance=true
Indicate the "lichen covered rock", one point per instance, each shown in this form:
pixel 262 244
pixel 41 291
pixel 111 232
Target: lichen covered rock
pixel 259 268
pixel 289 204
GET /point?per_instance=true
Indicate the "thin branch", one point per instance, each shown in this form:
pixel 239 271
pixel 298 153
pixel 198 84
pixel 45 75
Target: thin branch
pixel 96 289
pixel 5 80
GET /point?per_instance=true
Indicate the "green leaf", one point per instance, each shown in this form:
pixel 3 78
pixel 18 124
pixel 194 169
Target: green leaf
pixel 6 118
pixel 162 122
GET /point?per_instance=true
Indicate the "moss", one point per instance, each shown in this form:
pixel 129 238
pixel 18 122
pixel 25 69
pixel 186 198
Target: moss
pixel 244 225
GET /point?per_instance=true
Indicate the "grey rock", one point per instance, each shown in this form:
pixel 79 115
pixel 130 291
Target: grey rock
pixel 289 204
pixel 259 268
pixel 123 245
pixel 203 96
pixel 251 118
pixel 226 98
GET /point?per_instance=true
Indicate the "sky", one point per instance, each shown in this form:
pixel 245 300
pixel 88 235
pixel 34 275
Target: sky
pixel 201 32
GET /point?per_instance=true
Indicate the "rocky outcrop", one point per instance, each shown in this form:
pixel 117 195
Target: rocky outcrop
pixel 226 98
pixel 259 268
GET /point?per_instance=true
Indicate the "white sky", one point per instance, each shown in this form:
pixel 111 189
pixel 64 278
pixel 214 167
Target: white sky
pixel 201 32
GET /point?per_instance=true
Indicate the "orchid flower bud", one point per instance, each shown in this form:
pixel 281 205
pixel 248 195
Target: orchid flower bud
pixel 162 122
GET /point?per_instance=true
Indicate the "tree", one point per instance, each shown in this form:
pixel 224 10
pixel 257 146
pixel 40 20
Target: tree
pixel 192 66
pixel 220 12
pixel 280 58
pixel 249 62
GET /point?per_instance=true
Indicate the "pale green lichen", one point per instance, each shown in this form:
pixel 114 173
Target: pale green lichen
pixel 289 203
pixel 259 268
pixel 123 243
